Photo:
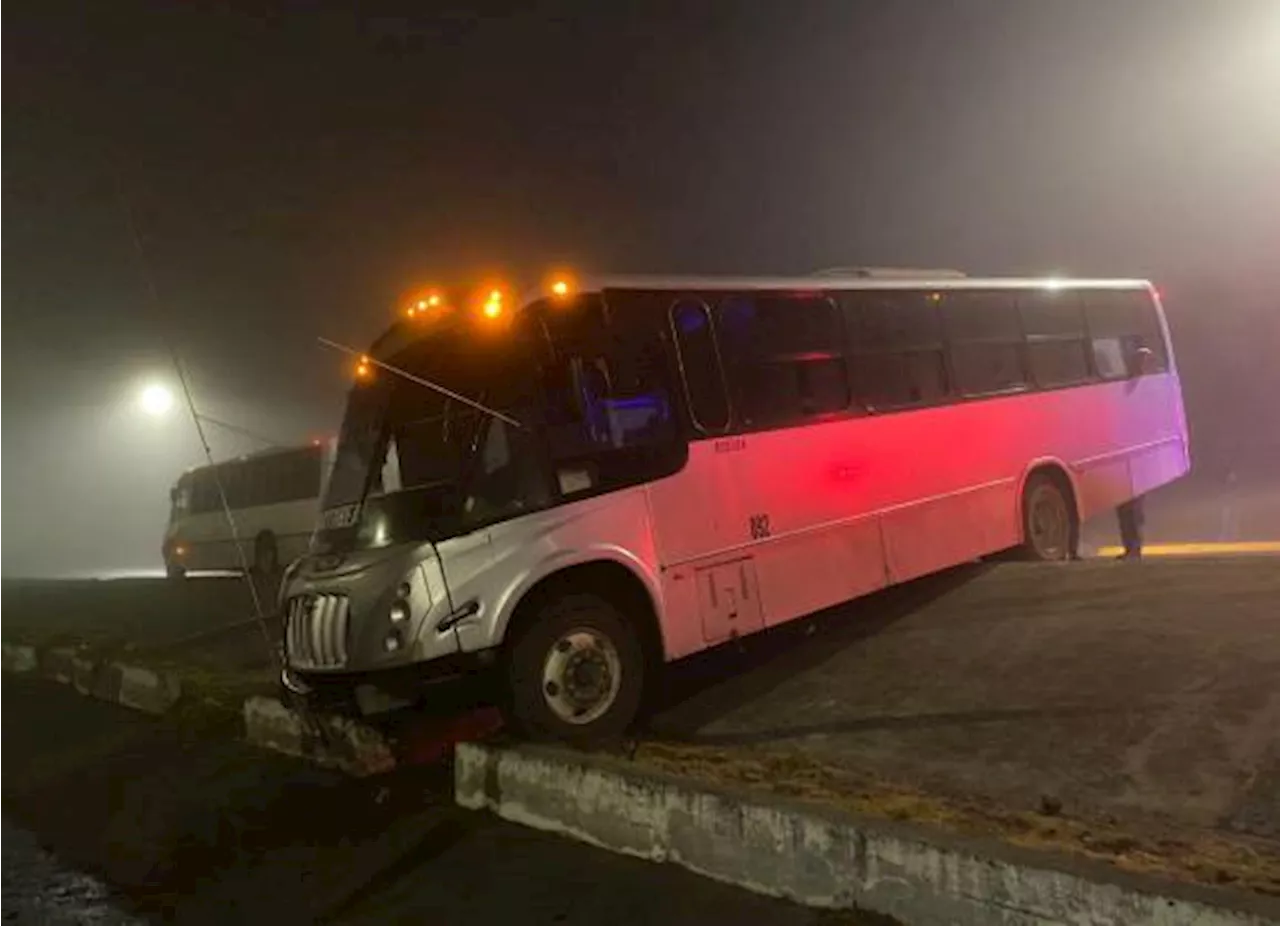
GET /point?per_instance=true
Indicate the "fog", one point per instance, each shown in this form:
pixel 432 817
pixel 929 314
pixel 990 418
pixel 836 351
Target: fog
pixel 292 175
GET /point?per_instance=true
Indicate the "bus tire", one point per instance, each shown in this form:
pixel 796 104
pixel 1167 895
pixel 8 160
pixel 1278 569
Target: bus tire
pixel 575 672
pixel 266 555
pixel 1049 520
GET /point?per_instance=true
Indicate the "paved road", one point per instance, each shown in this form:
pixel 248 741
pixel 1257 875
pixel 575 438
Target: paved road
pixel 1147 691
pixel 192 827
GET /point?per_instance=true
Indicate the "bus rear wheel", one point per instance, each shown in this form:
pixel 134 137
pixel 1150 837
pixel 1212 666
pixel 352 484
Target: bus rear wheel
pixel 575 672
pixel 1049 527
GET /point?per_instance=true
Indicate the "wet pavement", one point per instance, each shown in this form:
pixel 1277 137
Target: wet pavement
pixel 40 891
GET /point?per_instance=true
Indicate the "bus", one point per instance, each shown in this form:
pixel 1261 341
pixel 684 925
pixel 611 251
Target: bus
pixel 274 498
pixel 610 477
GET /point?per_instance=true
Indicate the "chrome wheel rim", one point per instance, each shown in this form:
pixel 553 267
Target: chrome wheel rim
pixel 581 676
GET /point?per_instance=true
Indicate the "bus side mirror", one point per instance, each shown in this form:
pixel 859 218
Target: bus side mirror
pixel 1144 361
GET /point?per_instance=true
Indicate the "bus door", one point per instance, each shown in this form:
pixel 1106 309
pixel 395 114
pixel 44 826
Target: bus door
pixel 702 524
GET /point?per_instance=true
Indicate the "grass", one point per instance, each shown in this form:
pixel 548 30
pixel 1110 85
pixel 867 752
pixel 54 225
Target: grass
pixel 120 613
pixel 197 631
pixel 1183 854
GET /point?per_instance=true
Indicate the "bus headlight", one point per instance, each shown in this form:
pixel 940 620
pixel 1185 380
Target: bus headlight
pixel 399 611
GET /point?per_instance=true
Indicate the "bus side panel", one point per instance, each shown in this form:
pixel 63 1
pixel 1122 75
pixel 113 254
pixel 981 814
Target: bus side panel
pixel 941 532
pixel 1124 439
pixel 208 539
pixel 1154 409
pixel 813 570
pixel 837 509
pixel 496 566
pixel 701 527
pixel 1104 484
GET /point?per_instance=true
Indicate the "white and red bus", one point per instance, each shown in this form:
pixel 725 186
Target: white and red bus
pixel 642 468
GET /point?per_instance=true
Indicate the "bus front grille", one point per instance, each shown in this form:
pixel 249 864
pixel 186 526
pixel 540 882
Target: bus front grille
pixel 316 632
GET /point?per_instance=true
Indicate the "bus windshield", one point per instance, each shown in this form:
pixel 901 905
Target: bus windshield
pixel 407 452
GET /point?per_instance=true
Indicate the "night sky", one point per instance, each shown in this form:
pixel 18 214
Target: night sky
pixel 293 173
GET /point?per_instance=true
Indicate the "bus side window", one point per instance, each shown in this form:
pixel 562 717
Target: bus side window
pixel 899 360
pixel 589 409
pixel 784 357
pixel 700 366
pixel 1121 323
pixel 1057 348
pixel 985 339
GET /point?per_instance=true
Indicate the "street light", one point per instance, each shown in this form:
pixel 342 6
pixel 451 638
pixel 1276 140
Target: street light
pixel 155 399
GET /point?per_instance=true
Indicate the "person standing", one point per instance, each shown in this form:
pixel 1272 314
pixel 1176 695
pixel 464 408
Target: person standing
pixel 1131 517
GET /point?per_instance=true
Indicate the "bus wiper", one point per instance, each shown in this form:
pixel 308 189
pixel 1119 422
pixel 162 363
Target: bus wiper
pixel 421 381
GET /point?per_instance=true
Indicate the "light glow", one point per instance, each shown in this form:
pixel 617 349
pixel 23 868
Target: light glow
pixel 155 399
pixel 493 305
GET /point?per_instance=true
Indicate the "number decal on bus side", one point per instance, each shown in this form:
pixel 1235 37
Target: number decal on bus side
pixel 760 526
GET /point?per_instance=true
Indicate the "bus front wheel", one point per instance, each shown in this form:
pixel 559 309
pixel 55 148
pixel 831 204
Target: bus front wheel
pixel 575 671
pixel 1049 526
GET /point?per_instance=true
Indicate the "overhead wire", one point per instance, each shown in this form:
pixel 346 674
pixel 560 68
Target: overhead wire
pixel 158 310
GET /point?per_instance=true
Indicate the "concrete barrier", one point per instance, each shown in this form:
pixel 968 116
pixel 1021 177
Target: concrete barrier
pixel 58 663
pixel 144 689
pixel 134 687
pixel 19 658
pixel 336 742
pixel 827 858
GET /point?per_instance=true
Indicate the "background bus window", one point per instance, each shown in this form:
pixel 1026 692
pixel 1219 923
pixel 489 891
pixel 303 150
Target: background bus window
pixel 1120 323
pixel 700 366
pixel 898 355
pixel 783 358
pixel 985 336
pixel 233 485
pixel 1057 344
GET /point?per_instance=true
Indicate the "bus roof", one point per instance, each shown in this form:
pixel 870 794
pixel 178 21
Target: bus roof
pixel 252 456
pixel 903 280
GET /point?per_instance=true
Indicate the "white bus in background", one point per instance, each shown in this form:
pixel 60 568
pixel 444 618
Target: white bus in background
pixel 663 465
pixel 273 496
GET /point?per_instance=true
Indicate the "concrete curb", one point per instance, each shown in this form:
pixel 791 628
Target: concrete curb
pixel 826 858
pixel 335 742
pixel 134 687
pixel 18 658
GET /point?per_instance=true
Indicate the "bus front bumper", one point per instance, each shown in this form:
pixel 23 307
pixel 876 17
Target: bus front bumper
pixel 381 690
